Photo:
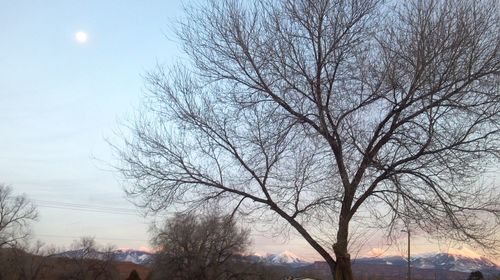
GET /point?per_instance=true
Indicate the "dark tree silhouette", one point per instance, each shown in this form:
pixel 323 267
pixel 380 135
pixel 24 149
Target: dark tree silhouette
pixel 193 247
pixel 322 113
pixel 476 275
pixel 16 213
pixel 134 275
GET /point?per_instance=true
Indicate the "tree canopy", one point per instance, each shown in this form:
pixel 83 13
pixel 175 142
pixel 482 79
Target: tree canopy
pixel 199 247
pixel 320 113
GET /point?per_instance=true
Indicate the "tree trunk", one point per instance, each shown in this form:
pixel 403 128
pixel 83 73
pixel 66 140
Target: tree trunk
pixel 342 269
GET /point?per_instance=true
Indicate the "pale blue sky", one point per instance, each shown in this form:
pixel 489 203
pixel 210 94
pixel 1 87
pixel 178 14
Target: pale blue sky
pixel 60 100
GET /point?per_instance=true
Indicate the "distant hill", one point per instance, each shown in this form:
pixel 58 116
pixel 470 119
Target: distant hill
pixel 439 261
pixel 452 265
pixel 56 266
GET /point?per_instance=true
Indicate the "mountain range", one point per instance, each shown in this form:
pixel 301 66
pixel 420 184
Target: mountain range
pixel 122 255
pixel 439 261
pixel 284 258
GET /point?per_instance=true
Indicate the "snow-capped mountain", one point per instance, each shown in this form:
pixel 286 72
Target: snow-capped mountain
pixel 134 256
pixel 453 260
pixel 145 258
pixel 284 258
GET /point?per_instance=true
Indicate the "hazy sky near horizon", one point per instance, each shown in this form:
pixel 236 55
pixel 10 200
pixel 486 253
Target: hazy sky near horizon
pixel 60 99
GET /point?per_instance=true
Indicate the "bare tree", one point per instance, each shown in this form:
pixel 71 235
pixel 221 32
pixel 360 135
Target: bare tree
pixel 16 213
pixel 192 247
pixel 89 261
pixel 323 113
pixel 26 261
pixel 33 261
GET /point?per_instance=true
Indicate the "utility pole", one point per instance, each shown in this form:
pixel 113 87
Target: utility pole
pixel 409 260
pixel 409 254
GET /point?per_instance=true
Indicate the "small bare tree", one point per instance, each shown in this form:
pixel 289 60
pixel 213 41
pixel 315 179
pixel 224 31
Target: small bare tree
pixel 322 113
pixel 192 247
pixel 32 261
pixel 16 213
pixel 89 261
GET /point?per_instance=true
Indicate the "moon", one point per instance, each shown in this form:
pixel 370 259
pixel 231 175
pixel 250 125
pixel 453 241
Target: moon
pixel 81 37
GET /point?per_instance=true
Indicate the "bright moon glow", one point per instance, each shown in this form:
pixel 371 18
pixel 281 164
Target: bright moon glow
pixel 81 37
